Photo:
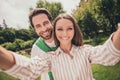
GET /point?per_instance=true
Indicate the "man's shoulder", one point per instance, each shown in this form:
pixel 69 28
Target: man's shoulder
pixel 38 40
pixel 34 46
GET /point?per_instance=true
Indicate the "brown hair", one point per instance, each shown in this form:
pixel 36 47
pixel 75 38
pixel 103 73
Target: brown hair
pixel 77 38
pixel 38 11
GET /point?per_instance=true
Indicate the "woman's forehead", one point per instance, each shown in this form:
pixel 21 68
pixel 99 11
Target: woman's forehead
pixel 64 23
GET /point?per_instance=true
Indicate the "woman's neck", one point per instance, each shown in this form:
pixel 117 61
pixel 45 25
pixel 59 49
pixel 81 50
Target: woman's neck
pixel 66 48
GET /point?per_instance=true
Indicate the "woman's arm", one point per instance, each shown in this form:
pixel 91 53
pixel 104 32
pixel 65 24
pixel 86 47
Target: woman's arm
pixel 108 53
pixel 22 67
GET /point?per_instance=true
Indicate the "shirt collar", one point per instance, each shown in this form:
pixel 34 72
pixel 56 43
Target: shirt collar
pixel 73 50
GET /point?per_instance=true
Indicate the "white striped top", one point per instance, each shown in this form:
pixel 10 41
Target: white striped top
pixel 36 51
pixel 63 66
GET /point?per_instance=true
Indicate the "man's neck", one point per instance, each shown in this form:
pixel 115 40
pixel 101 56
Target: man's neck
pixel 49 40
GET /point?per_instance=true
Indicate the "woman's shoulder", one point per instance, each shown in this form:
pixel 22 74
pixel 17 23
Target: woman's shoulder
pixel 83 46
pixel 86 46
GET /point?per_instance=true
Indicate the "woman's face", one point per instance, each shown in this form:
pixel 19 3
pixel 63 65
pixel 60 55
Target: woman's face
pixel 64 31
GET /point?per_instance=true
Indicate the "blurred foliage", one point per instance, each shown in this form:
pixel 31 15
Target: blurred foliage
pixel 96 16
pixel 55 8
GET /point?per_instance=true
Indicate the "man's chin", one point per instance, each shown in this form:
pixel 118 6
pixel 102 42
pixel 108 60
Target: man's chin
pixel 46 38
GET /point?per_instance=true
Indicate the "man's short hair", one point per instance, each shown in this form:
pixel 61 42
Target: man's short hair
pixel 38 11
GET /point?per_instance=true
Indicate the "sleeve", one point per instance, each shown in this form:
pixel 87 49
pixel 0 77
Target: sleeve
pixel 36 51
pixel 105 54
pixel 29 69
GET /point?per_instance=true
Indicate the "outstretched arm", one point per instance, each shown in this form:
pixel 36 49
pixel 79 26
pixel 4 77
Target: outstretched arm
pixel 22 67
pixel 6 59
pixel 116 38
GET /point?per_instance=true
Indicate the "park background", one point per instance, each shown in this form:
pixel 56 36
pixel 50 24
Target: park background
pixel 97 20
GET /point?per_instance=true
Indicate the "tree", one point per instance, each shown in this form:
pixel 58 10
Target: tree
pixel 90 26
pixel 110 10
pixel 4 24
pixel 8 34
pixel 86 19
pixel 55 7
pixel 23 34
pixel 105 14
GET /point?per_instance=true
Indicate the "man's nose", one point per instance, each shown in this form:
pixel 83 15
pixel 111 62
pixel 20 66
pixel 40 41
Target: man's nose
pixel 44 28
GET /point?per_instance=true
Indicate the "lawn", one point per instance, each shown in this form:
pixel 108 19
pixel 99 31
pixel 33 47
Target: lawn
pixel 106 73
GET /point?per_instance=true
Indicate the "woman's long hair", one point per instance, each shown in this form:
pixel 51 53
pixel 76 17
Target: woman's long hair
pixel 77 38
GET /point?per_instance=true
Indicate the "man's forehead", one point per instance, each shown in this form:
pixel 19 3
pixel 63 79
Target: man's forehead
pixel 40 17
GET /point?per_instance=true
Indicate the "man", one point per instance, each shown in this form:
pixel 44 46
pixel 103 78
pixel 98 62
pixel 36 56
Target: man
pixel 40 20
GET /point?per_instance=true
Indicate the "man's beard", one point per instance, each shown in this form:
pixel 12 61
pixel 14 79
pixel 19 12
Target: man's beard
pixel 48 36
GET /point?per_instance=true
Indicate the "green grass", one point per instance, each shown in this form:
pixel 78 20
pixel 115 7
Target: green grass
pixel 4 76
pixel 106 72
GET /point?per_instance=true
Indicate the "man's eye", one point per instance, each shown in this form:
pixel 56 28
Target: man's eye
pixel 37 26
pixel 45 23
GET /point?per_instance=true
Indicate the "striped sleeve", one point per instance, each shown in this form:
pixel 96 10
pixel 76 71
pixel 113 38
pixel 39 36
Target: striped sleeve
pixel 105 54
pixel 28 69
pixel 35 51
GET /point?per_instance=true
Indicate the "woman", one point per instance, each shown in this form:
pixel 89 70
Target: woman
pixel 72 60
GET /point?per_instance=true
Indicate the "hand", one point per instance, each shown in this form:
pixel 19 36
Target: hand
pixel 116 38
pixel 52 53
pixel 6 59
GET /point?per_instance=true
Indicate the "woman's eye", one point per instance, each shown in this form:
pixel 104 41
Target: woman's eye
pixel 59 29
pixel 70 28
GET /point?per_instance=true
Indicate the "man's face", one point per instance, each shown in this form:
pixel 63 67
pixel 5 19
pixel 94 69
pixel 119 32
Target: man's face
pixel 42 26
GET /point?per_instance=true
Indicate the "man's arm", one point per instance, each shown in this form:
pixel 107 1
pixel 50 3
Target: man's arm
pixel 116 38
pixel 6 59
